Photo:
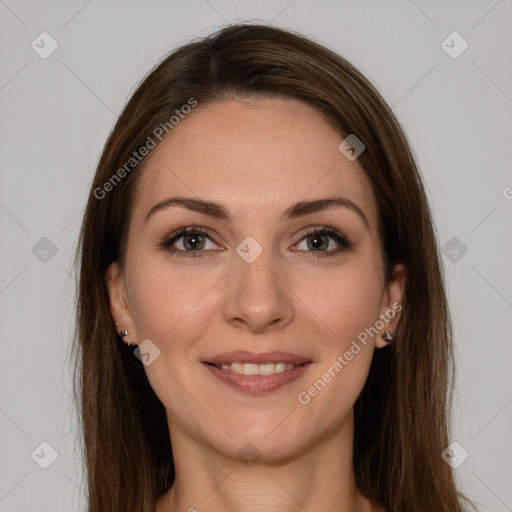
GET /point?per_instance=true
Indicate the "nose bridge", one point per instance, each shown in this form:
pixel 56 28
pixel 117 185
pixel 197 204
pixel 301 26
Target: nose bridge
pixel 257 294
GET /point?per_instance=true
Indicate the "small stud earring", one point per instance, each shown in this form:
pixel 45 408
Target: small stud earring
pixel 387 336
pixel 123 334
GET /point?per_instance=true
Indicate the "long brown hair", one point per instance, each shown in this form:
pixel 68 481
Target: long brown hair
pixel 402 414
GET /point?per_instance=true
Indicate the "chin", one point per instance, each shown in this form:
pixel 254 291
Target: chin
pixel 265 442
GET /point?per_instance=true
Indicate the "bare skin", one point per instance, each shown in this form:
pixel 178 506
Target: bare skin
pixel 234 450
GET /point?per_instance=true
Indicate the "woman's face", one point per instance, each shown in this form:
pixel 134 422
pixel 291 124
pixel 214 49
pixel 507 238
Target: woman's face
pixel 256 287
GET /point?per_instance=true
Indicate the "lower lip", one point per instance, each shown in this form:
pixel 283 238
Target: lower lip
pixel 257 384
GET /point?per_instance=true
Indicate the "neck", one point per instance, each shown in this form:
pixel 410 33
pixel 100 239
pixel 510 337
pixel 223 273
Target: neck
pixel 318 479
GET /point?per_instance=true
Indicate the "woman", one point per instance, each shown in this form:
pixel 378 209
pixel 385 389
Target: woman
pixel 258 230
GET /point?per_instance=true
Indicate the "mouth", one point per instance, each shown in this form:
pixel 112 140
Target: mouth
pixel 257 373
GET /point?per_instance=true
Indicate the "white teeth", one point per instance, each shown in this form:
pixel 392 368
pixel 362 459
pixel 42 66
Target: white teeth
pixel 250 369
pixel 266 369
pixel 237 367
pixel 257 369
pixel 280 367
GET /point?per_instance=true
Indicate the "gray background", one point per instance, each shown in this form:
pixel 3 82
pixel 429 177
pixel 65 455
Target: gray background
pixel 58 111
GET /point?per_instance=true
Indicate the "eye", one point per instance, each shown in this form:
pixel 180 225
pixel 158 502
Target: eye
pixel 317 241
pixel 188 242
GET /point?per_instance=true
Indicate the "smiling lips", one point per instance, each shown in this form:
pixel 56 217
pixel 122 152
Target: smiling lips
pixel 257 373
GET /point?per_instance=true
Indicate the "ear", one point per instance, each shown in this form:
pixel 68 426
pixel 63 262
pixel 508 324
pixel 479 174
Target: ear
pixel 391 305
pixel 119 304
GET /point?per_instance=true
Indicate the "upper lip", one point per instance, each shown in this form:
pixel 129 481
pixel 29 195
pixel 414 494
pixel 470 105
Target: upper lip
pixel 244 356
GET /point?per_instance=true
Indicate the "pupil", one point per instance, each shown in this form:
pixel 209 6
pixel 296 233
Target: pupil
pixel 317 241
pixel 196 242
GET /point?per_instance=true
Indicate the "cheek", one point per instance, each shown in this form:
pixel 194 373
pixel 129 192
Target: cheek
pixel 348 310
pixel 346 301
pixel 173 308
pixel 172 304
pixel 348 305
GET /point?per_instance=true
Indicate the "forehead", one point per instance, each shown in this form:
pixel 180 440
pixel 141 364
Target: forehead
pixel 253 156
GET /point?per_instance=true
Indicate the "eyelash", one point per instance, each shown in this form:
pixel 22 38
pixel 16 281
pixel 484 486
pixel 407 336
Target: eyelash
pixel 165 242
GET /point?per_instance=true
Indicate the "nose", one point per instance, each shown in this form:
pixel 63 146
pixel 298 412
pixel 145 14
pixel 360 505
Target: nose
pixel 258 296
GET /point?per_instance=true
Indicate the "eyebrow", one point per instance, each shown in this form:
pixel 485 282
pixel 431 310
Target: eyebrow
pixel 218 211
